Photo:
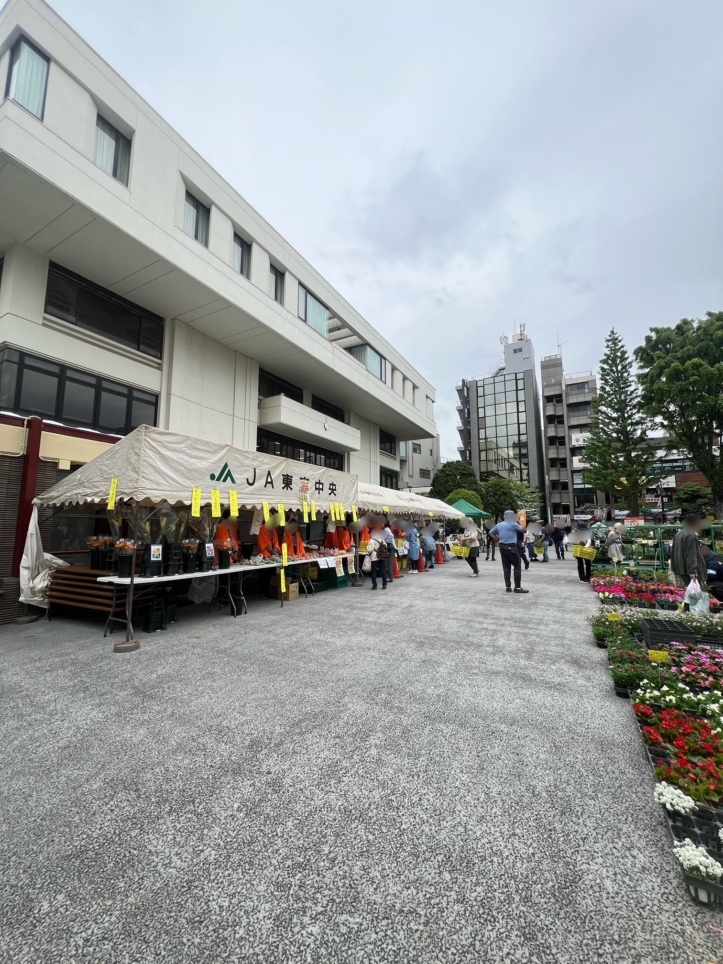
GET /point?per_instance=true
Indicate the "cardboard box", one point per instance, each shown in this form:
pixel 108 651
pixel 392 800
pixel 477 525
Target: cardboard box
pixel 292 589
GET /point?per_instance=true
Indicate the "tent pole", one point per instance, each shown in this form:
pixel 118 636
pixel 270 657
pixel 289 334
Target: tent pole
pixel 130 645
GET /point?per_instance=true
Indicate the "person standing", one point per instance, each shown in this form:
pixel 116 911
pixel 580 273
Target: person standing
pixel 614 544
pixel 558 537
pixel 376 546
pixel 521 543
pixel 490 544
pixel 531 546
pixel 505 533
pixel 584 538
pixel 546 540
pixel 686 559
pixel 392 546
pixel 413 553
pixel 428 546
pixel 470 537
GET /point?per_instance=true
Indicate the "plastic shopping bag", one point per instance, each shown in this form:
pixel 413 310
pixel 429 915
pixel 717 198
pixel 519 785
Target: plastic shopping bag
pixel 698 601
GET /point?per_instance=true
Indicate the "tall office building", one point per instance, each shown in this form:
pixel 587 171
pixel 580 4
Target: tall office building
pixel 500 426
pixel 567 411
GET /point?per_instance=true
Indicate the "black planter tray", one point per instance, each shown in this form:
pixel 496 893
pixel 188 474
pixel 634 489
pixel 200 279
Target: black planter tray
pixel 704 892
pixel 623 691
pixel 657 631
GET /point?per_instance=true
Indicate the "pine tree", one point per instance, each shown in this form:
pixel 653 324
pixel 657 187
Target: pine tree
pixel 618 459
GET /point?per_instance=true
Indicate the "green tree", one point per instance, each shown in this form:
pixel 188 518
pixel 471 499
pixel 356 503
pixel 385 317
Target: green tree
pixel 469 495
pixel 498 495
pixel 451 476
pixel 618 458
pixel 681 374
pixel 529 499
pixel 692 498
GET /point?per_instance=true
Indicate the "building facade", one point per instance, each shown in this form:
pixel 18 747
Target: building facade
pixel 138 286
pixel 500 428
pixel 566 411
pixel 419 461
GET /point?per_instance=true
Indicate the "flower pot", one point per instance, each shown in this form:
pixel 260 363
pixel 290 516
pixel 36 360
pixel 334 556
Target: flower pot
pixel 704 892
pixel 623 691
pixel 224 558
pixel 125 564
pixel 189 561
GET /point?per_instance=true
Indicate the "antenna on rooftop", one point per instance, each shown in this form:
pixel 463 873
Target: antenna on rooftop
pixel 504 339
pixel 560 344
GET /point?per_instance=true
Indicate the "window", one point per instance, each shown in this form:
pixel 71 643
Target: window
pixel 554 484
pixel 313 312
pixel 563 463
pixel 578 388
pixel 196 217
pixel 554 463
pixel 87 305
pixel 388 478
pixel 417 448
pixel 387 443
pixel 290 448
pixel 112 150
pixel 371 360
pixel 564 485
pixel 425 473
pixel 276 285
pixel 270 385
pixel 431 452
pixel 241 256
pixel 578 409
pixel 33 386
pixel 28 77
pixel 326 408
pixel 516 351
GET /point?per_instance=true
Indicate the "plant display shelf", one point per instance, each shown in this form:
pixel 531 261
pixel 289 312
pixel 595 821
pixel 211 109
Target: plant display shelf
pixel 656 631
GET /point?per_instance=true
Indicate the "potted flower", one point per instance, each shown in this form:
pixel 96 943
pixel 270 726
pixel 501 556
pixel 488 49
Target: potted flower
pixel 189 551
pixel 124 552
pixel 701 871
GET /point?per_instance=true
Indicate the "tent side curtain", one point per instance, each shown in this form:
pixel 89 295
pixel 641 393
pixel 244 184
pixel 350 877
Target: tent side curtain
pixel 153 466
pixel 405 505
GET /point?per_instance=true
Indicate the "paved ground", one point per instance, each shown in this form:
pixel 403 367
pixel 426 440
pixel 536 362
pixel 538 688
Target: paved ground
pixel 436 773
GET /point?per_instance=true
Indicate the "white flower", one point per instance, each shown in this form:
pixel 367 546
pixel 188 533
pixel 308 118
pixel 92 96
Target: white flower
pixel 663 689
pixel 674 799
pixel 696 862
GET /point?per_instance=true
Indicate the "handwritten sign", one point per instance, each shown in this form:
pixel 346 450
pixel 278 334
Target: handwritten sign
pixel 614 617
pixel 267 514
pixel 112 493
pixel 332 512
pixel 196 503
pixel 233 502
pixel 283 581
pixel 282 512
pixel 354 513
pixel 305 509
pixel 313 511
pixel 215 503
pixel 285 554
pixel 339 567
pixel 385 508
pixel 658 656
pixel 350 565
pixel 431 514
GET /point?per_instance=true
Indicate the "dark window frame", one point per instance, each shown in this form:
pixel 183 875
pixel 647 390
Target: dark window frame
pixel 103 294
pixel 417 448
pixel 120 137
pixel 388 478
pixel 199 206
pixel 285 388
pixel 279 276
pixel 326 408
pixel 244 247
pixel 13 54
pixel 387 442
pixel 286 447
pixel 65 374
pixel 425 473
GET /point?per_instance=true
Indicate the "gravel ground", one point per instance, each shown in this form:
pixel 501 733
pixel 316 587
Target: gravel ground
pixel 436 773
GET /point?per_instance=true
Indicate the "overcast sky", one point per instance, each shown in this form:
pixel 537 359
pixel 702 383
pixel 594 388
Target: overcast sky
pixel 454 167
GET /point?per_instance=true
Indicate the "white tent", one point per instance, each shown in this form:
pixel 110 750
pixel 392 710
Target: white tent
pixel 403 505
pixel 154 466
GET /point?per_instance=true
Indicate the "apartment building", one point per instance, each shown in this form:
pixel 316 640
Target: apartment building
pixel 566 411
pixel 138 286
pixel 500 428
pixel 419 461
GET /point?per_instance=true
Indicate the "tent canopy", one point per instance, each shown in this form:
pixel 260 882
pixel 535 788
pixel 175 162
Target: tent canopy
pixel 471 511
pixel 154 466
pixel 404 505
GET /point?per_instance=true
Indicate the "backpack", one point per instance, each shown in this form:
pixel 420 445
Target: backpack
pixel 382 551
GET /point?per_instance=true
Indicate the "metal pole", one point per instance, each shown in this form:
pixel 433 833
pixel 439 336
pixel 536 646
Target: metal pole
pixel 129 645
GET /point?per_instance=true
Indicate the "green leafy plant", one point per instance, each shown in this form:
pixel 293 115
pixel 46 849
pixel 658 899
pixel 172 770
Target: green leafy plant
pixel 469 495
pixel 451 476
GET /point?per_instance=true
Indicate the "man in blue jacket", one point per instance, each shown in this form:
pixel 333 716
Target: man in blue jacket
pixel 505 533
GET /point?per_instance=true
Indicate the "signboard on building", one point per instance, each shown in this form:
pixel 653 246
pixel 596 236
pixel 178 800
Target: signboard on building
pixel 579 438
pixel 578 462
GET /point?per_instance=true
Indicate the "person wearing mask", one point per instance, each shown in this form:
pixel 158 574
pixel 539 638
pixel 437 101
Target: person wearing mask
pixel 558 538
pixel 270 549
pixel 392 545
pixel 292 537
pixel 686 560
pixel 428 546
pixel 505 533
pixel 227 533
pixel 584 538
pixel 490 544
pixel 378 566
pixel 470 538
pixel 413 552
pixel 531 546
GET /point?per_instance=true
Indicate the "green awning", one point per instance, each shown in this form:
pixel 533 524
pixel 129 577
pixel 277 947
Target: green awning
pixel 470 510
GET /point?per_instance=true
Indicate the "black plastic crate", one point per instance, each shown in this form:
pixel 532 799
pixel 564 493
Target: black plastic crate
pixel 657 631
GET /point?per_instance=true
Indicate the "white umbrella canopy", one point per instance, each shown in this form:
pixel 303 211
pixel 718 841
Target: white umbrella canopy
pixel 153 466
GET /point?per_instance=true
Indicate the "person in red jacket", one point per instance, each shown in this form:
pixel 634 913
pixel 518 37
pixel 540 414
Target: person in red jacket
pixel 268 540
pixel 292 537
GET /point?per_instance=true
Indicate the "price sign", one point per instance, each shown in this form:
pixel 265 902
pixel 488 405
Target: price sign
pixel 267 514
pixel 614 617
pixel 354 513
pixel 658 656
pixel 216 503
pixel 431 515
pixel 196 503
pixel 282 512
pixel 363 546
pixel 332 512
pixel 285 554
pixel 233 502
pixel 350 565
pixel 112 494
pixel 313 511
pixel 156 553
pixel 282 578
pixel 385 508
pixel 305 508
pixel 342 512
pixel 339 567
pixel 210 550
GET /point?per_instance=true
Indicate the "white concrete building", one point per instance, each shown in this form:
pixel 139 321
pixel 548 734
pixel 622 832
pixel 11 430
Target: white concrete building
pixel 137 285
pixel 419 462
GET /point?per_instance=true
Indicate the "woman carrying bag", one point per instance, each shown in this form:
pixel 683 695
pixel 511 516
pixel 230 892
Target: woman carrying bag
pixel 614 544
pixel 376 559
pixel 470 537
